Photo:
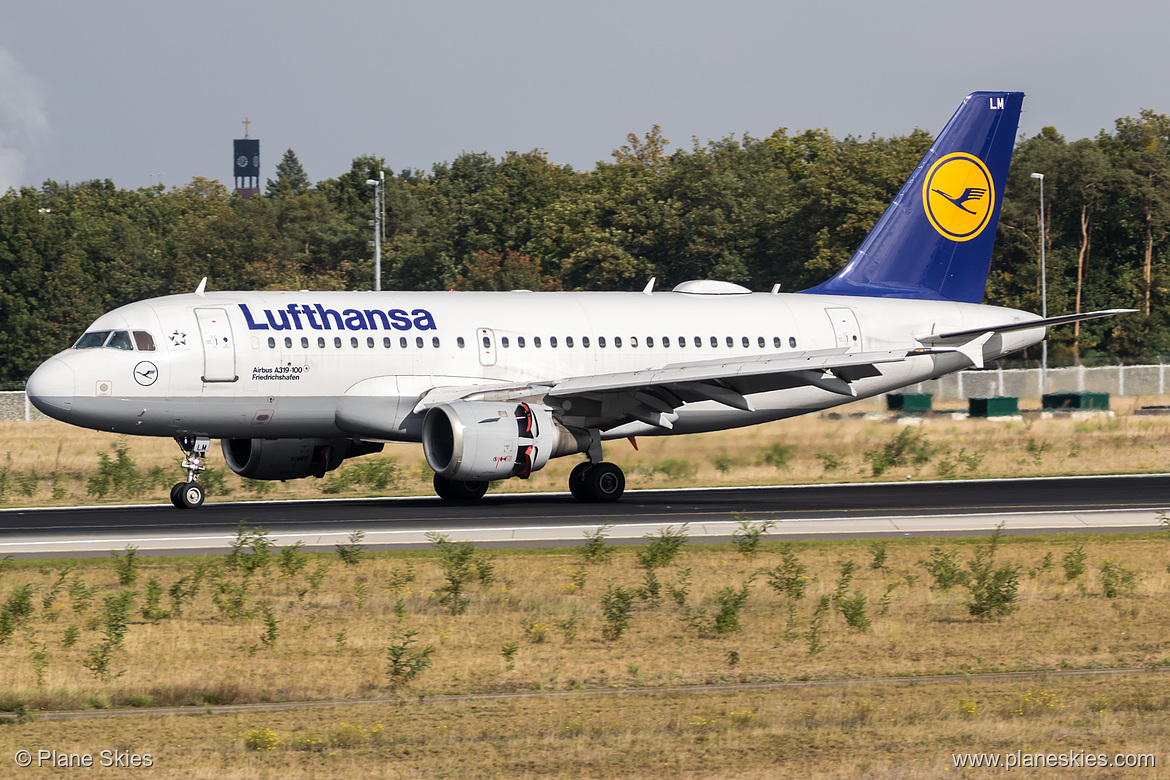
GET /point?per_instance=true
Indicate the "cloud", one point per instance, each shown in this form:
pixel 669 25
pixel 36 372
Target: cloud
pixel 23 121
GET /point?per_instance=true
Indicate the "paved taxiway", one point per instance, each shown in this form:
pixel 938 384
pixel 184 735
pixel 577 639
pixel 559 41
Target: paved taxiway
pixel 1083 504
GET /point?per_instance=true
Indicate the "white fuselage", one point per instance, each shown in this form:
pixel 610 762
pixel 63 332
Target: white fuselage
pixel 337 364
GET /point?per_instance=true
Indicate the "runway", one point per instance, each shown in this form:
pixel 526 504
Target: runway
pixel 1048 505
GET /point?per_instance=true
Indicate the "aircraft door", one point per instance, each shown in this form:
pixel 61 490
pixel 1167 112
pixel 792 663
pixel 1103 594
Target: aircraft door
pixel 845 327
pixel 219 348
pixel 486 339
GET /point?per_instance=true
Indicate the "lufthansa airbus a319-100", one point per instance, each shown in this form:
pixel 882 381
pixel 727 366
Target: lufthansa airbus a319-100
pixel 494 384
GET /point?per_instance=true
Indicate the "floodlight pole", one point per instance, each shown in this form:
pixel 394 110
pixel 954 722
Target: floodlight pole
pixel 1043 291
pixel 379 184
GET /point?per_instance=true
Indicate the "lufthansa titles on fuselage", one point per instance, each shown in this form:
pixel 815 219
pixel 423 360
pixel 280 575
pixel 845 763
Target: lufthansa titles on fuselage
pixel 302 316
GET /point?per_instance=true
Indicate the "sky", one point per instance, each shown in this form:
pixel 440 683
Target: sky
pixel 144 92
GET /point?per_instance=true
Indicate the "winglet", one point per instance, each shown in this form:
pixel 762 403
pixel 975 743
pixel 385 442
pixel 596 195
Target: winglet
pixel 202 287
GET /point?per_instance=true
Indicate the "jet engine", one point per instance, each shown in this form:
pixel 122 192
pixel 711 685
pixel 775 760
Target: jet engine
pixel 290 458
pixel 483 441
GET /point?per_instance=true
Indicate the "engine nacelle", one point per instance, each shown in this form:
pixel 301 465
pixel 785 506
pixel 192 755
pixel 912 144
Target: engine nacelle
pixel 290 458
pixel 480 441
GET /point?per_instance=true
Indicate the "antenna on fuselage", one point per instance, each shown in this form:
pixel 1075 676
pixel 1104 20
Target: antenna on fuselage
pixel 202 286
pixel 649 288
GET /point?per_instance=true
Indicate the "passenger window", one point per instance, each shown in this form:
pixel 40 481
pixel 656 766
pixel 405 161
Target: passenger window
pixel 649 341
pixel 386 342
pixel 698 341
pixel 304 342
pixel 760 341
pixel 585 341
pixel 435 342
pixel 402 342
pixel 714 341
pixel 776 342
pixel 337 342
pixel 459 342
pixel 520 342
pixel 600 342
pixel 370 342
pixel 271 343
pixel 792 341
pixel 682 341
pixel 536 341
pixel 633 341
pixel 120 339
pixel 730 342
pixel 487 343
pixel 418 342
pixel 552 341
pixel 144 341
pixel 287 342
pixel 353 342
pixel 569 341
pixel 320 342
pixel 93 339
pixel 617 341
pixel 746 343
pixel 504 342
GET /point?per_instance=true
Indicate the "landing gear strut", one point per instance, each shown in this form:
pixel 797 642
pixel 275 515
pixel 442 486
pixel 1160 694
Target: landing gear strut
pixel 601 482
pixel 189 494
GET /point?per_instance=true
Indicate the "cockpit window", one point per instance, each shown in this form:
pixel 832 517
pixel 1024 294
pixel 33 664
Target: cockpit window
pixel 93 339
pixel 144 341
pixel 120 339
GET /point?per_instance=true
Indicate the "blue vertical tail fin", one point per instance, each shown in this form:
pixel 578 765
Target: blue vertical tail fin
pixel 934 241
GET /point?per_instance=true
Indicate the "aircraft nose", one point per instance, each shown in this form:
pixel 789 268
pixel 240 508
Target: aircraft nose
pixel 51 388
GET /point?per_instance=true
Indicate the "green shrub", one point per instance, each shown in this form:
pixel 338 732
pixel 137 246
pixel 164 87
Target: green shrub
pixel 594 549
pixel 907 447
pixel 790 577
pixel 748 536
pixel 664 547
pixel 617 604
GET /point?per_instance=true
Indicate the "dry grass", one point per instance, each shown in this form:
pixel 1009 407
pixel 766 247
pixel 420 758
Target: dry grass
pixel 205 657
pixel 871 732
pixel 208 657
pixel 49 463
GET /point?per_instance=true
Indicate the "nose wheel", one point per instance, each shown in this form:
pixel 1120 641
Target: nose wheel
pixel 190 494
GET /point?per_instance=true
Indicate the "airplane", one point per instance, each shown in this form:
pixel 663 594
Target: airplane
pixel 495 384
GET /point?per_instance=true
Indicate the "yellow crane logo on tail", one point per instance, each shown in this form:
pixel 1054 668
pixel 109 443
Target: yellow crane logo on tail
pixel 958 196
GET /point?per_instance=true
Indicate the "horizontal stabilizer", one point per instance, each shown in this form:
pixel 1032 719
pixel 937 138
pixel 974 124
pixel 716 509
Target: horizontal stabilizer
pixel 1024 325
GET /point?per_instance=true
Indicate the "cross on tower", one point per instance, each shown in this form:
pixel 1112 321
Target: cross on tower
pixel 245 123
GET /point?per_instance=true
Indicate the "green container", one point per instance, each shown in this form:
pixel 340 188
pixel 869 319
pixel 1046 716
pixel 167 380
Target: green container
pixel 1075 402
pixel 908 403
pixel 993 406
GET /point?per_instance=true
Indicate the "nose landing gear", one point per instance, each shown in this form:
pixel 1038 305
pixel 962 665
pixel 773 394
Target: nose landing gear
pixel 190 494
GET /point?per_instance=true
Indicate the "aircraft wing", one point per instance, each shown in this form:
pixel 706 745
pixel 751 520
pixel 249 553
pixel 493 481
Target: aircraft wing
pixel 652 395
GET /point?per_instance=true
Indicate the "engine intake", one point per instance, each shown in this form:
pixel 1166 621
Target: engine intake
pixel 290 458
pixel 478 440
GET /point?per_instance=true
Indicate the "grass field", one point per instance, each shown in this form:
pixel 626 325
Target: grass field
pixel 278 626
pixel 49 463
pixel 273 626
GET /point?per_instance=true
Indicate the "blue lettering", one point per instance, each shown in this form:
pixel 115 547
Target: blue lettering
pixel 373 316
pixel 284 325
pixel 252 325
pixel 400 320
pixel 320 318
pixel 423 320
pixel 354 320
pixel 326 314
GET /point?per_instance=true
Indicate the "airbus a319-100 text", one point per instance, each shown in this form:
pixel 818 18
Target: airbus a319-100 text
pixel 496 384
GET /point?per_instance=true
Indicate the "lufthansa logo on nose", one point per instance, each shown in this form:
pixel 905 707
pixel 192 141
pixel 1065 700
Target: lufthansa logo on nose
pixel 145 373
pixel 958 196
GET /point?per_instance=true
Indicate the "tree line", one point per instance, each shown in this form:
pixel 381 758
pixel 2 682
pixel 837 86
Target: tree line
pixel 787 209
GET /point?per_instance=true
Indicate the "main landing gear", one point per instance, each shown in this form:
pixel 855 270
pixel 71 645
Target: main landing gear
pixel 189 494
pixel 599 482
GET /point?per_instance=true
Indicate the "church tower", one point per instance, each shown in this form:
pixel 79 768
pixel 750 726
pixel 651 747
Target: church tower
pixel 246 164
